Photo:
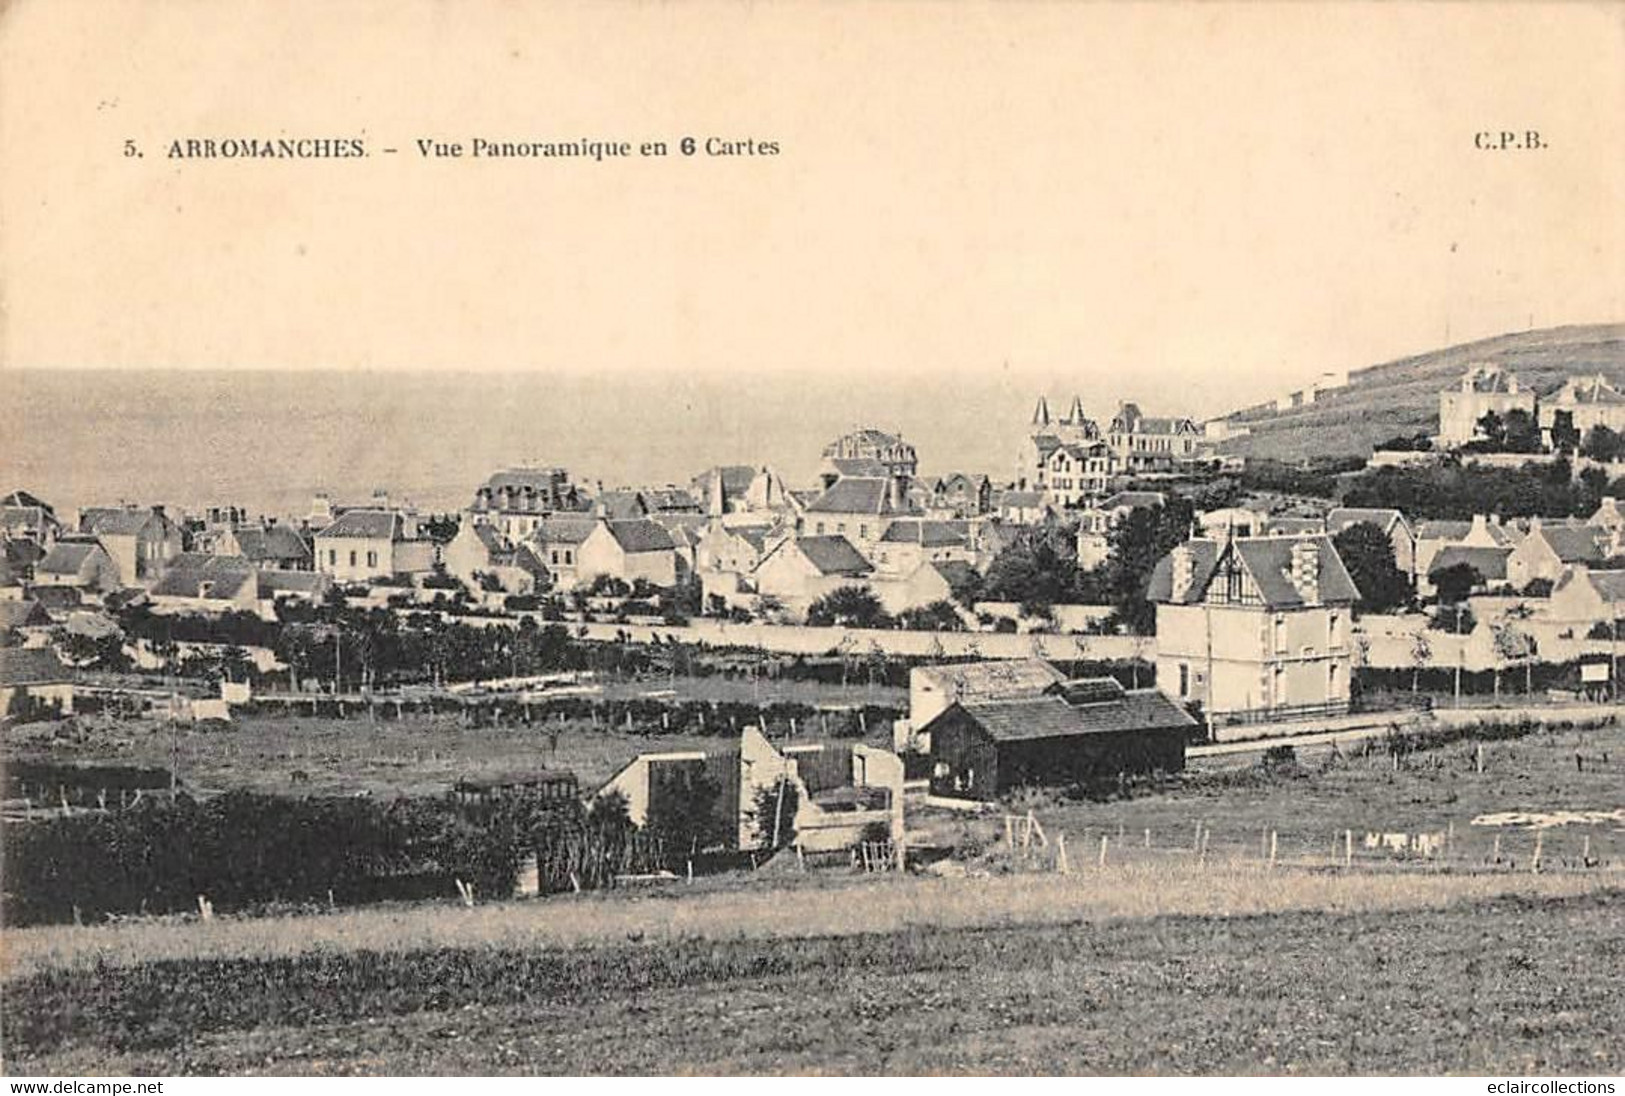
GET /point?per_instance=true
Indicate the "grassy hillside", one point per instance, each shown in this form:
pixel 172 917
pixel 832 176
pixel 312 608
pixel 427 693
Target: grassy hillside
pixel 1402 397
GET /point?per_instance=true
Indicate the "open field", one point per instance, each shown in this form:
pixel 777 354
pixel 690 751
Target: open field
pixel 1311 803
pixel 1386 981
pixel 418 756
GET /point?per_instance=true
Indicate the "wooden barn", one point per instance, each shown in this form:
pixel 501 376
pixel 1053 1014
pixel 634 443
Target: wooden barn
pixel 1076 732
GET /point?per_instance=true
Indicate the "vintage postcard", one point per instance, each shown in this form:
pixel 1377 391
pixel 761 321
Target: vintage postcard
pixel 862 539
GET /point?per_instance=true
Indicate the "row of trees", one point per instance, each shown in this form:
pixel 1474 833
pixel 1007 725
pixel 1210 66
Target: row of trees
pixel 1452 490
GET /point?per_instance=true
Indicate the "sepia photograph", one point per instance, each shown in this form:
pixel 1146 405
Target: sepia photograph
pixel 810 539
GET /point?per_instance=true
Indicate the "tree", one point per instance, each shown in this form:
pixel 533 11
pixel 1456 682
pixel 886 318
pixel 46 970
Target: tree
pixel 775 809
pixel 683 810
pixel 1369 556
pixel 1040 566
pixel 1522 432
pixel 1456 582
pixel 939 616
pixel 1565 437
pixel 1603 444
pixel 1137 542
pixel 1493 430
pixel 848 607
pixel 1421 655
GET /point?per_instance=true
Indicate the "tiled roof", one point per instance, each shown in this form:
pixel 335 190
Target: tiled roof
pixel 537 479
pixel 1341 517
pixel 1022 500
pixel 1131 500
pixel 1584 545
pixel 622 505
pixel 31 666
pixel 1441 529
pixel 559 529
pixel 309 583
pixel 1052 716
pixel 859 466
pixel 833 555
pixel 188 573
pixel 1268 560
pixel 927 534
pixel 1293 526
pixel 1490 563
pixel 640 536
pixel 365 525
pixel 853 495
pixel 66 557
pixel 955 572
pixel 22 613
pixel 114 521
pixel 276 543
pixel 27 498
pixel 57 598
pixel 1610 585
pixel 1006 678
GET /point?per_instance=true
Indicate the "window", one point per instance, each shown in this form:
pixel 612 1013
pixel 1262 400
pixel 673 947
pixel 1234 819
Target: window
pixel 372 559
pixel 352 559
pixel 863 531
pixel 332 557
pixel 1331 682
pixel 1280 634
pixel 1184 680
pixel 1331 630
pixel 555 556
pixel 569 557
pixel 820 528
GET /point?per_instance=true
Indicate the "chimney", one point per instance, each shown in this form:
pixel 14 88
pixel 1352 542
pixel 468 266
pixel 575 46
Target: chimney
pixel 1184 571
pixel 1306 570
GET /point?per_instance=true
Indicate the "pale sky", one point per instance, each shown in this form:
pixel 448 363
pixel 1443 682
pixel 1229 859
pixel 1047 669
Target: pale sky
pixel 1207 203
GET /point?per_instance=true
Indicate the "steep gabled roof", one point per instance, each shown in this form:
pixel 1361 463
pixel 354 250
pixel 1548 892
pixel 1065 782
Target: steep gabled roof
pixel 1490 563
pixel 561 529
pixel 194 575
pixel 1135 500
pixel 833 555
pixel 22 613
pixel 1268 561
pixel 365 525
pixel 640 535
pixel 1021 500
pixel 622 505
pixel 114 521
pixel 1341 517
pixel 66 557
pixel 955 572
pixel 1574 545
pixel 27 498
pixel 276 543
pixel 854 495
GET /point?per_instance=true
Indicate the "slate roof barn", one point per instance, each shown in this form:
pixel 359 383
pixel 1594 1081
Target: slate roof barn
pixel 1086 731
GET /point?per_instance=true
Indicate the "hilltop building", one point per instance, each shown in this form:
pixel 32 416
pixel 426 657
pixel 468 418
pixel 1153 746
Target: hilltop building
pixel 1483 388
pixel 1590 401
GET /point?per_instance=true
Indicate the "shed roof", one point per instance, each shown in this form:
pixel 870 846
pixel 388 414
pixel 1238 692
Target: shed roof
pixel 114 521
pixel 1054 716
pixel 1490 563
pixel 66 557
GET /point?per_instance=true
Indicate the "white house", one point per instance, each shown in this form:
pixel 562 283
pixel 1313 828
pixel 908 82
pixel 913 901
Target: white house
pixel 366 544
pixel 84 564
pixel 1483 388
pixel 799 570
pixel 628 550
pixel 1257 626
pixel 141 541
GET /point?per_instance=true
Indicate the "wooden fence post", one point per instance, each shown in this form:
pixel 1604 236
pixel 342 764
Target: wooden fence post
pixel 1272 849
pixel 1534 865
pixel 1061 864
pixel 1148 837
pixel 1348 848
pixel 1103 841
